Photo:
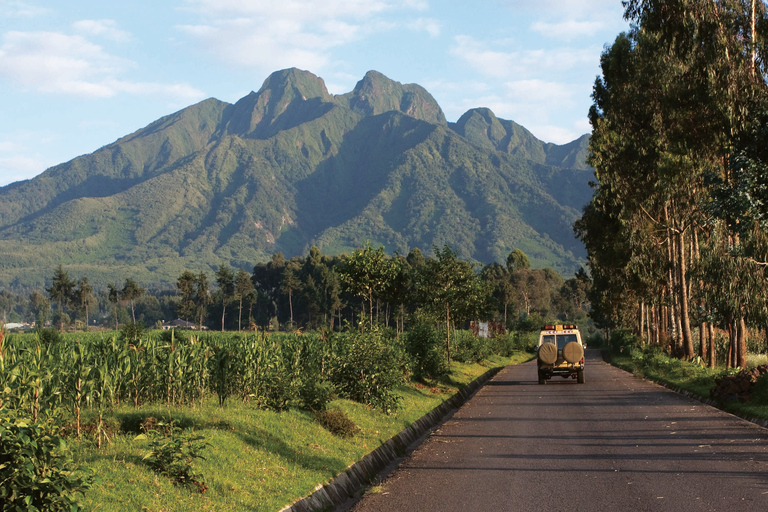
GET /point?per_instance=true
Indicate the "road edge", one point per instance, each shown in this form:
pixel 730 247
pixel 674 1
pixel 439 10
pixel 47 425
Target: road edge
pixel 707 401
pixel 348 485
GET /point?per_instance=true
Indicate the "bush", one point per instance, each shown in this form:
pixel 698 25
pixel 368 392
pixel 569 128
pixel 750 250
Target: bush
pixel 177 335
pixel 337 423
pixel 48 336
pixel 366 369
pixel 36 469
pixel 504 344
pixel 315 394
pixel 132 332
pixel 171 454
pixel 623 340
pixel 425 347
pixel 468 348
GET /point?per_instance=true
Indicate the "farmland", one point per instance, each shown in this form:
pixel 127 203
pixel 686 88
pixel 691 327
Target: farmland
pixel 236 415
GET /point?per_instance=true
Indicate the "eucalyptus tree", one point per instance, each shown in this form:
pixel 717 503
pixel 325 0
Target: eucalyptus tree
pixel 40 306
pixel 675 112
pixel 185 285
pixel 202 298
pixel 289 284
pixel 243 288
pixel 84 297
pixel 60 292
pixel 225 279
pixel 113 296
pixel 498 280
pixel 266 279
pixel 130 292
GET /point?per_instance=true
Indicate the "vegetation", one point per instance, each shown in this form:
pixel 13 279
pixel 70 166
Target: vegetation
pixel 187 407
pixel 675 231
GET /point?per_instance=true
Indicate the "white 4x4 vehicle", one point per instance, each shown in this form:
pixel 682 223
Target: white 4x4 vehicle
pixel 560 352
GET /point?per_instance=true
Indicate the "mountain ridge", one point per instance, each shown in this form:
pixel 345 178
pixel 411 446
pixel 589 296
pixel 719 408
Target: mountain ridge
pixel 291 166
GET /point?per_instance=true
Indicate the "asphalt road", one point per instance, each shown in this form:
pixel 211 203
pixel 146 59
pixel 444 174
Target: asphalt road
pixel 615 443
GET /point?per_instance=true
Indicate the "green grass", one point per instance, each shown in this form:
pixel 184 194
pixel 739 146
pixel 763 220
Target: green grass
pixel 691 377
pixel 257 459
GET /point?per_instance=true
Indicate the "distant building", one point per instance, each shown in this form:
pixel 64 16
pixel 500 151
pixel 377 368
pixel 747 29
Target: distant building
pixel 181 324
pixel 12 326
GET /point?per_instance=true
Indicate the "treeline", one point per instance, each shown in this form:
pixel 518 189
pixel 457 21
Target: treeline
pixel 675 231
pixel 318 292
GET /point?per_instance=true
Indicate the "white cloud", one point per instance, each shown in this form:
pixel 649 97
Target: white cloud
pixel 568 29
pixel 57 63
pixel 16 168
pixel 568 8
pixel 540 91
pixel 429 25
pixel 554 134
pixel 488 62
pixel 513 64
pixel 270 35
pixel 20 9
pixel 303 9
pixel 104 28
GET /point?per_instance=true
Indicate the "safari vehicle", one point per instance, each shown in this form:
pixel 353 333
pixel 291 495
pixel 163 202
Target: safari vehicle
pixel 560 352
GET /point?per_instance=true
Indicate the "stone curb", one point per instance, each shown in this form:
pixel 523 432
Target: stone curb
pixel 349 483
pixel 694 396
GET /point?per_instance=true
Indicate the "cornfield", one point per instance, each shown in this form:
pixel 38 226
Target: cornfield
pixel 42 378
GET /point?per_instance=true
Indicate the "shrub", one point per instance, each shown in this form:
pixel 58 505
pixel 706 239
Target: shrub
pixel 171 454
pixel 36 469
pixel 337 423
pixel 48 336
pixel 503 344
pixel 468 348
pixel 425 346
pixel 176 335
pixel 315 394
pixel 366 369
pixel 132 332
pixel 623 340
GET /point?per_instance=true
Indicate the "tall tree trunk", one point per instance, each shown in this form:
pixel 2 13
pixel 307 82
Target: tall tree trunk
pixel 731 340
pixel 671 284
pixel 641 323
pixel 712 347
pixel 240 316
pixel 684 316
pixel 741 356
pixel 448 333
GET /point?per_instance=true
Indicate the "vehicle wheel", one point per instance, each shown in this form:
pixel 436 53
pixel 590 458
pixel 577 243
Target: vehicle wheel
pixel 542 377
pixel 580 376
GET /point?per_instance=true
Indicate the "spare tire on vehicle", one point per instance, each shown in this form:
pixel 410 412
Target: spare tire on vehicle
pixel 573 352
pixel 548 353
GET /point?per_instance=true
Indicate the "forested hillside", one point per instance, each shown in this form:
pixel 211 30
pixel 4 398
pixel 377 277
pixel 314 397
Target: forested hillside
pixel 290 167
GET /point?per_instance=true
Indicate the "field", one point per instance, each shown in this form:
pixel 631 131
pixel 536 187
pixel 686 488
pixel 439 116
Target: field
pixel 247 405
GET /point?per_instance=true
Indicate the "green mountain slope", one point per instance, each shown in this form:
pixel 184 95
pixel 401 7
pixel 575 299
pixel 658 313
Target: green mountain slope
pixel 288 167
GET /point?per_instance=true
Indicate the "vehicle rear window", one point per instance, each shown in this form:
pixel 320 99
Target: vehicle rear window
pixel 548 338
pixel 564 339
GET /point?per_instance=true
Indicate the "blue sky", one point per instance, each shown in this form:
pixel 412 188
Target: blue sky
pixel 77 75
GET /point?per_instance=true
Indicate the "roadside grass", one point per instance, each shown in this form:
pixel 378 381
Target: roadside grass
pixel 256 459
pixel 692 377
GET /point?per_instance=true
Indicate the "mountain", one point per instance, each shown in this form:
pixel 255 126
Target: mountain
pixel 291 166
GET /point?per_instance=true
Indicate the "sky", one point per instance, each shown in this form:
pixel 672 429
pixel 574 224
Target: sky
pixel 78 75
